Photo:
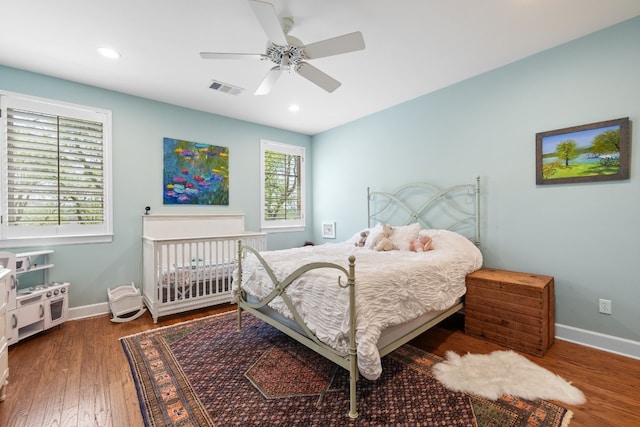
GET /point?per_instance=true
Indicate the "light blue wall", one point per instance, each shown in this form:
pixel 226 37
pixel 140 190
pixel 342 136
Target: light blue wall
pixel 585 235
pixel 138 128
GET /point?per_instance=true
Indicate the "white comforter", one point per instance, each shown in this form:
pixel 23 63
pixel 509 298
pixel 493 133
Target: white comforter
pixel 391 288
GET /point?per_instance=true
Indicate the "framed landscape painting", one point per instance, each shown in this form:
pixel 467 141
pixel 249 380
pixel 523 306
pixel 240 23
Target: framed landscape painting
pixel 594 152
pixel 195 173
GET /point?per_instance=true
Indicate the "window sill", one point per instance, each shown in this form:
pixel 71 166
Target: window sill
pixel 282 229
pixel 54 241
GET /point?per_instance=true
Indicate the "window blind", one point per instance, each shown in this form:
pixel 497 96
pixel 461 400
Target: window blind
pixel 282 190
pixel 55 170
pixel 283 199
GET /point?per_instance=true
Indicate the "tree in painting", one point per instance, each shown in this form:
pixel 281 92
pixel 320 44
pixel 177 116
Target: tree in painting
pixel 606 146
pixel 567 150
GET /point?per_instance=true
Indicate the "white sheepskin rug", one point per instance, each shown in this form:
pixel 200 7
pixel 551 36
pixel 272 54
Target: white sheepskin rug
pixel 504 373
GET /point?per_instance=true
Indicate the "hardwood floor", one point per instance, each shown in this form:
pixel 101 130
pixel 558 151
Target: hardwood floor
pixel 78 375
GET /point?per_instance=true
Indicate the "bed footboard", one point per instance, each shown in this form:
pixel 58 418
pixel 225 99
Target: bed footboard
pixel 301 332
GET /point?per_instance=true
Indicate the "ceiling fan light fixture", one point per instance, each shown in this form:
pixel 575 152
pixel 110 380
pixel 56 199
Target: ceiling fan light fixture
pixel 108 52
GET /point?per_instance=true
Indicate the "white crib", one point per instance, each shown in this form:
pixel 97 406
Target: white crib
pixel 188 260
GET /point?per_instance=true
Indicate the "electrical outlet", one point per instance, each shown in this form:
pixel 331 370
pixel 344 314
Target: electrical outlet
pixel 605 306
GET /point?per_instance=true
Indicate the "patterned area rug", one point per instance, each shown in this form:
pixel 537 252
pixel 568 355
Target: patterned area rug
pixel 205 373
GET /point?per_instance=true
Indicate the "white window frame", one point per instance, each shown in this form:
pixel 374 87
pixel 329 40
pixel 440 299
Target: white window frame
pixel 282 225
pixel 15 237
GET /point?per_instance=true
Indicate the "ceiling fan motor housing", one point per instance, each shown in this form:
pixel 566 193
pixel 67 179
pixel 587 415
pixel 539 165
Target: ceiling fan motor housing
pixel 287 56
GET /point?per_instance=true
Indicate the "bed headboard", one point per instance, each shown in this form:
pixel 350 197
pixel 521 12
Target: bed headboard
pixel 455 208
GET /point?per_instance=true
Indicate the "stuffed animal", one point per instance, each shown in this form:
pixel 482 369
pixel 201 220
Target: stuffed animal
pixel 421 244
pixel 363 238
pixel 383 241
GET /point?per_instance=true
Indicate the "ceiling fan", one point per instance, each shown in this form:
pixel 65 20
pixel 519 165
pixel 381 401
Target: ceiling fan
pixel 288 52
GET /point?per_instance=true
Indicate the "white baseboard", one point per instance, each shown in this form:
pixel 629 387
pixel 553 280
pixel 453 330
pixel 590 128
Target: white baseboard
pixel 85 311
pixel 608 343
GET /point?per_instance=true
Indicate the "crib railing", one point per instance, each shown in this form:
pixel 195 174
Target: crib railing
pixel 185 274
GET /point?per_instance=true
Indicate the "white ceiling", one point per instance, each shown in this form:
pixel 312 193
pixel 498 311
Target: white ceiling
pixel 413 47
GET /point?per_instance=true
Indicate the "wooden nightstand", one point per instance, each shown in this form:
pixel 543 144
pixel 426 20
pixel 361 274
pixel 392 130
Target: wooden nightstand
pixel 510 308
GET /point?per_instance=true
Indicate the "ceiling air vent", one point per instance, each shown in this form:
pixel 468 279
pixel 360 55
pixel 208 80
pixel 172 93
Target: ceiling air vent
pixel 226 88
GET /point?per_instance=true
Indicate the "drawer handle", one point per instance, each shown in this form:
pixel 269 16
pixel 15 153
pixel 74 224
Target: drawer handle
pixel 41 311
pixel 14 321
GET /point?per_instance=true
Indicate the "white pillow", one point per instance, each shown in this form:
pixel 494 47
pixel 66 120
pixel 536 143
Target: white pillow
pixel 403 235
pixel 425 232
pixel 375 231
pixel 356 237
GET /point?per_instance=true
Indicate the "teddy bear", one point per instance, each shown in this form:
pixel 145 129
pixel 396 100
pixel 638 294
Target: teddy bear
pixel 421 244
pixel 382 241
pixel 363 238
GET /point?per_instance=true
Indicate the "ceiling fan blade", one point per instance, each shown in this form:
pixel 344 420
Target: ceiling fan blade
pixel 335 46
pixel 317 77
pixel 269 81
pixel 268 18
pixel 219 55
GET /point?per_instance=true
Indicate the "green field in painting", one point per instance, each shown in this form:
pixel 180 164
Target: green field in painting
pixel 584 169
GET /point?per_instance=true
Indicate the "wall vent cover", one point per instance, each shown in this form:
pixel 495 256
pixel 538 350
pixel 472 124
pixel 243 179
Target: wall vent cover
pixel 226 88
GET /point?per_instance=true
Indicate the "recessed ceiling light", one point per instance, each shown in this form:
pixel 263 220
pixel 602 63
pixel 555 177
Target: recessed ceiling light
pixel 294 107
pixel 107 52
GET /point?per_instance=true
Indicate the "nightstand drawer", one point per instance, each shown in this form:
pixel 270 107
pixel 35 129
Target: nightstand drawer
pixel 511 308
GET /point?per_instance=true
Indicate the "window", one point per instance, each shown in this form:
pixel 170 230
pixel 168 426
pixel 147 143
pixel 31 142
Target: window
pixel 282 192
pixel 55 172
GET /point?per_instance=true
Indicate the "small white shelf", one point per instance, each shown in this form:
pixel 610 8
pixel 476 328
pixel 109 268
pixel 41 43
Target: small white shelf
pixel 35 253
pixel 30 266
pixel 35 268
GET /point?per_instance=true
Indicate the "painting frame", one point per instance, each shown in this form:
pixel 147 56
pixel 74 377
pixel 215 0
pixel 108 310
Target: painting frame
pixel 599 161
pixel 194 173
pixel 328 230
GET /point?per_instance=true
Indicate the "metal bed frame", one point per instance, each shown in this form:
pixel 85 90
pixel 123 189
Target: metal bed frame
pixel 415 202
pixel 416 213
